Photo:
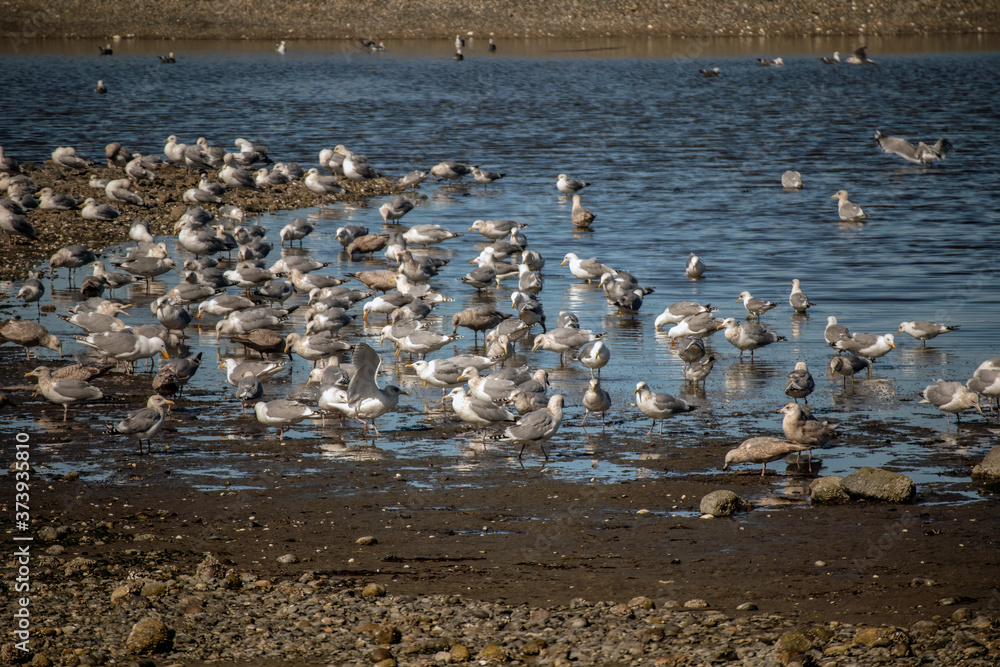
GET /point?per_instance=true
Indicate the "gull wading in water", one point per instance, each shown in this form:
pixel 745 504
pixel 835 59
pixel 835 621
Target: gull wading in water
pixel 144 423
pixel 923 330
pixel 695 267
pixel 952 398
pixel 797 299
pixel 658 406
pixel 595 399
pixel 761 450
pixel 536 427
pixel 364 396
pixel 569 186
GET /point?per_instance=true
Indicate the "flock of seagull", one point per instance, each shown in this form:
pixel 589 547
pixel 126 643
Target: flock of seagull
pixel 514 399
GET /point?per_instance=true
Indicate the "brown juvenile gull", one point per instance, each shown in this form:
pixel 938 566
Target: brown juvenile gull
pixel 144 423
pixel 364 396
pixel 951 398
pixel 847 209
pixel 801 427
pixel 755 307
pixel 921 153
pixel 282 413
pixel 29 334
pixel 64 392
pixel 537 427
pixel 595 399
pixel 658 406
pixel 923 330
pixel 797 298
pixel 581 217
pixel 799 382
pixel 761 450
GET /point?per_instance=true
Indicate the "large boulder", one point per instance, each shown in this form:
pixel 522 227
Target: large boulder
pixel 828 490
pixel 723 503
pixel 882 485
pixel 989 469
pixel 149 635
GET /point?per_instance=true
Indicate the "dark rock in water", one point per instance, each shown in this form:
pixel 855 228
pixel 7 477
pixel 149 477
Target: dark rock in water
pixel 723 503
pixel 877 484
pixel 989 469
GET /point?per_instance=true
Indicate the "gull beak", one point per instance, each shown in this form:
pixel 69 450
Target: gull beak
pixel 169 402
pixel 833 196
pixel 721 326
pixel 165 354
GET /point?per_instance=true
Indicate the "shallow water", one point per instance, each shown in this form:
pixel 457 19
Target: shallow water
pixel 679 163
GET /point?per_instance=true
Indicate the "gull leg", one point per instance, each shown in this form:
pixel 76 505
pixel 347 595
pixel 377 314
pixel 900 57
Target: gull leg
pixel 585 415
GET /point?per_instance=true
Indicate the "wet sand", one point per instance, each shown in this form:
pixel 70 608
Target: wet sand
pixel 429 19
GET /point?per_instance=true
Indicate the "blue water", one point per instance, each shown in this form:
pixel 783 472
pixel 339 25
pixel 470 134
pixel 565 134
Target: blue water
pixel 679 163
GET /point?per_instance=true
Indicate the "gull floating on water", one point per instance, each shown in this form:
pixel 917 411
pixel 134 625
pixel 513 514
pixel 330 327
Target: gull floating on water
pixel 766 62
pixel 847 209
pixel 791 180
pixel 581 217
pixel 860 57
pixel 694 268
pixel 831 60
pixel 100 88
pixel 921 153
pixel 280 48
pixel 708 73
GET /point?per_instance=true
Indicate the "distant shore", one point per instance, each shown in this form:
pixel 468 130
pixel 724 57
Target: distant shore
pixel 437 19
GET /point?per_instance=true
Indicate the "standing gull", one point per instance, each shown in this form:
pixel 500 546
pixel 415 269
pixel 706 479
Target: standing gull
pixel 748 336
pixel 802 428
pixel 32 290
pixel 754 306
pixel 363 393
pixel 986 382
pixel 395 209
pixel 29 334
pixel 64 392
pixel 581 217
pixel 477 411
pixel 538 426
pixel 282 413
pixel 951 398
pixel 595 399
pixel 847 209
pixel 761 450
pixel 569 186
pixel 585 269
pixel 799 382
pixel 847 365
pixel 797 298
pixel 923 330
pixel 594 355
pixel 144 423
pixel 485 177
pixel 867 345
pixel 658 406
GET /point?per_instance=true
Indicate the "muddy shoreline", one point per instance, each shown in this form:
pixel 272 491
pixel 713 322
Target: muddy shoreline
pixel 428 19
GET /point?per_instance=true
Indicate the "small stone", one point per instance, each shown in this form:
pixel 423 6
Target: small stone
pixel 828 490
pixel 460 653
pixel 387 634
pixel 747 606
pixel 924 627
pixel 46 533
pixel 981 623
pixel 373 591
pixel 534 647
pixel 288 559
pixel 871 637
pixel 642 602
pixel 149 635
pixel 152 589
pixel 55 550
pixel 208 569
pixel 366 541
pixel 492 653
pixel 792 644
pixel 961 614
pixel 120 594
pixel 723 503
pixel 989 469
pixel 696 603
pixel 820 563
pixel 380 654
pixel 834 650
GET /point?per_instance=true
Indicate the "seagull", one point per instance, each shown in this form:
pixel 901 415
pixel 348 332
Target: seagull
pixel 755 307
pixel 144 423
pixel 802 428
pixel 708 73
pixel 29 334
pixel 799 382
pixel 831 60
pixel 595 399
pixel 282 413
pixel 791 180
pixel 694 268
pixel 594 355
pixel 691 349
pixel 923 330
pixel 921 153
pixel 847 209
pixel 119 193
pixel 281 47
pixel 860 57
pixel 394 210
pixel 569 186
pixel 766 62
pixel 847 365
pixel 867 345
pixel 986 382
pixel 658 406
pixel 425 235
pixel 91 210
pixel 363 393
pixel 748 336
pixel 951 398
pixel 105 50
pixel 125 346
pixel 450 169
pixel 563 339
pixel 761 450
pixel 168 59
pixel 538 426
pixel 485 177
pixel 322 185
pixel 797 298
pixel 585 269
pixel 581 217
pixel 701 325
pixel 414 178
pixel 496 229
pixel 14 222
pixel 477 411
pixel 100 88
pixel 64 392
pixel 676 312
pixel 697 371
pixel 32 290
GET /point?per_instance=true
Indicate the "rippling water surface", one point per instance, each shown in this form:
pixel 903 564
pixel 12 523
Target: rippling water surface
pixel 680 164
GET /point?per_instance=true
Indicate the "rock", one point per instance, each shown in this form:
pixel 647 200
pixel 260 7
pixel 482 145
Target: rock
pixel 460 653
pixel 373 591
pixel 747 606
pixel 534 647
pixel 208 569
pixel 878 484
pixel 380 655
pixel 642 602
pixel 366 541
pixel 961 615
pixel 871 637
pixel 55 550
pixel 387 634
pixel 828 490
pixel 152 589
pixel 288 559
pixel 149 635
pixel 46 533
pixel 790 645
pixel 989 469
pixel 696 603
pixel 120 594
pixel 723 503
pixel 492 654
